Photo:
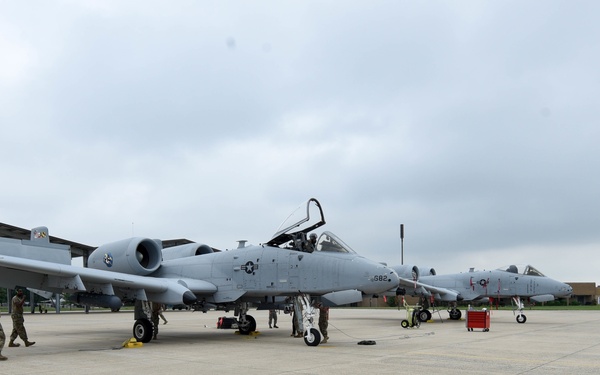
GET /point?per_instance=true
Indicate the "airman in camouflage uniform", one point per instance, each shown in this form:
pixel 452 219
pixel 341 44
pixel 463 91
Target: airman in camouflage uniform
pixel 18 320
pixel 2 339
pixel 323 321
pixel 156 308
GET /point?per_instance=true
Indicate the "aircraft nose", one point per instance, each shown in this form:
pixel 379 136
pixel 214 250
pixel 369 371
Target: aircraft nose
pixel 383 280
pixel 565 290
pixel 569 290
pixel 369 277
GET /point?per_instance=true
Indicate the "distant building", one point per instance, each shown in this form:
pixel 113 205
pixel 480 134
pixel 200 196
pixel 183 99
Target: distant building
pixel 585 293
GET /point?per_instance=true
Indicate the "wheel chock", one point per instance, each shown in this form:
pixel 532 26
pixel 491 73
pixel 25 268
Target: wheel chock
pixel 132 343
pixel 253 333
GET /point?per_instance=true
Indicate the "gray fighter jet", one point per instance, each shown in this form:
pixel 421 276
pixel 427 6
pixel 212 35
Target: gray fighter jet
pixel 138 269
pixel 511 282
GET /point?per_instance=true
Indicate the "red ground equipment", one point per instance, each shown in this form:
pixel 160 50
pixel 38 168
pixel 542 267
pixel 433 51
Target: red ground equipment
pixel 478 319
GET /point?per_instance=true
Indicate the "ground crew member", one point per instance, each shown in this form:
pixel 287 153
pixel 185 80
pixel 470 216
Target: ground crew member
pixel 323 321
pixel 273 318
pixel 156 308
pixel 298 317
pixel 160 313
pixel 18 321
pixel 2 339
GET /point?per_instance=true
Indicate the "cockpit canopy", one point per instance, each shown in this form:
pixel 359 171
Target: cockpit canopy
pixel 307 217
pixel 295 231
pixel 522 270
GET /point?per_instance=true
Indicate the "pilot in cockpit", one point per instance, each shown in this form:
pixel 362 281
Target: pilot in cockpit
pixel 311 245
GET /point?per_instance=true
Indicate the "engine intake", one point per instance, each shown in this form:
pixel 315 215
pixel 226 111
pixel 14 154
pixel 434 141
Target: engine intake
pixel 407 271
pixel 134 256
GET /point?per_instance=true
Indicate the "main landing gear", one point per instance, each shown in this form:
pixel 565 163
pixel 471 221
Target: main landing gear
pixel 246 323
pixel 454 313
pixel 424 315
pixel 143 329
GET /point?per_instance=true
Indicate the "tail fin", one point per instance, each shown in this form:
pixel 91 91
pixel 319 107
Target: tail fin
pixel 40 234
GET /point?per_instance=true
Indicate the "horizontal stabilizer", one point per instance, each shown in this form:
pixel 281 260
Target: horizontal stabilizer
pixel 341 298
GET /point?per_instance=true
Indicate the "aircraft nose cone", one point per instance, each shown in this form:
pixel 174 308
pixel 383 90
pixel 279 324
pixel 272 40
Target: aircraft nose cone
pixel 386 280
pixel 569 291
pixel 566 290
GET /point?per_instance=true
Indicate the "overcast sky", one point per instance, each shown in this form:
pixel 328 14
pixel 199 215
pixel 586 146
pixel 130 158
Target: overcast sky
pixel 474 123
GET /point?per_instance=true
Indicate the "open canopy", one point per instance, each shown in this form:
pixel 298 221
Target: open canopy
pixel 307 217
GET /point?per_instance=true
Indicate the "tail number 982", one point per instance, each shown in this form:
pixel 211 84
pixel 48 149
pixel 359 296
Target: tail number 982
pixel 380 278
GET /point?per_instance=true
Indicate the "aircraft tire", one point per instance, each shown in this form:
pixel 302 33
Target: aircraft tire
pixel 404 323
pixel 248 326
pixel 521 318
pixel 142 330
pixel 424 315
pixel 455 314
pixel 312 337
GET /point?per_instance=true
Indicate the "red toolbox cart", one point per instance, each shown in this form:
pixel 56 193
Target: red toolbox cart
pixel 478 319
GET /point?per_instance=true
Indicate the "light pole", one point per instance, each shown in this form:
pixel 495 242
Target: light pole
pixel 402 244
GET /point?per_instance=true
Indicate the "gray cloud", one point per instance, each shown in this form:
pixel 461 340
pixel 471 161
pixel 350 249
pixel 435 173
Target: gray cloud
pixel 472 123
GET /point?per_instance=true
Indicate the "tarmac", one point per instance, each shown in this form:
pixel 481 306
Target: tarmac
pixel 550 342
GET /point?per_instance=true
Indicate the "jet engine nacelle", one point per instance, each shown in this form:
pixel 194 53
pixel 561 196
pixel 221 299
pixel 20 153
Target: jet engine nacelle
pixel 184 251
pixel 412 272
pixel 134 256
pixel 407 271
pixel 426 271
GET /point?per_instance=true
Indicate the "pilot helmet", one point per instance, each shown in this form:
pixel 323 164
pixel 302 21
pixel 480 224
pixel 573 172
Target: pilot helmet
pixel 313 235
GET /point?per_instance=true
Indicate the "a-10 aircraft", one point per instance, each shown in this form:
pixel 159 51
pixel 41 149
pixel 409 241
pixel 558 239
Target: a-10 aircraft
pixel 135 269
pixel 479 286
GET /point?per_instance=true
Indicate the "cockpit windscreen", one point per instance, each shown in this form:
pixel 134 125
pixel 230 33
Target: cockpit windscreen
pixel 522 270
pixel 329 242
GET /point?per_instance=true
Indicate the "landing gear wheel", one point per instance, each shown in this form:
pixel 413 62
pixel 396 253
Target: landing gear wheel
pixel 246 326
pixel 424 315
pixel 142 330
pixel 455 314
pixel 312 337
pixel 404 323
pixel 521 318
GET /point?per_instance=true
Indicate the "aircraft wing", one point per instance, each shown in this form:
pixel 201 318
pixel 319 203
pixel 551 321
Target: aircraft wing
pixel 61 277
pixel 443 294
